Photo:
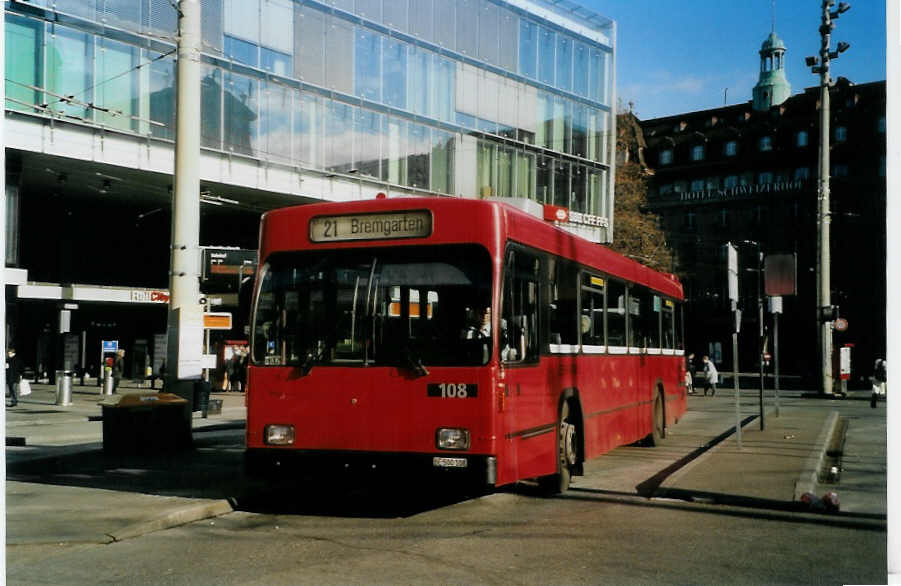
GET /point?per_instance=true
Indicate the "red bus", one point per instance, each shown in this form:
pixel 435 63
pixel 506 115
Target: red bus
pixel 458 334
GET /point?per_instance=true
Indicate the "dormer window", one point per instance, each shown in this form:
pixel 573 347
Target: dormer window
pixel 765 143
pixel 801 139
pixel 666 157
pixel 731 148
pixel 697 152
pixel 841 133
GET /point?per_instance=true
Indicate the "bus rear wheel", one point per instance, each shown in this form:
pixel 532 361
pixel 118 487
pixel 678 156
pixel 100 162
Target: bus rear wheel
pixel 567 440
pixel 658 429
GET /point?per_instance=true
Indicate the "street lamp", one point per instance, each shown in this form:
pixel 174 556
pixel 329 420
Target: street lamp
pixel 820 66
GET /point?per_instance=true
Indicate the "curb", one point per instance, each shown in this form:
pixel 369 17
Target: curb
pixel 807 481
pixel 182 516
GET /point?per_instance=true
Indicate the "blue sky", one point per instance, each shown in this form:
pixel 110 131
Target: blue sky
pixel 678 57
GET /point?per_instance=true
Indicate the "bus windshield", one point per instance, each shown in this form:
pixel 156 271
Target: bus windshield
pixel 397 306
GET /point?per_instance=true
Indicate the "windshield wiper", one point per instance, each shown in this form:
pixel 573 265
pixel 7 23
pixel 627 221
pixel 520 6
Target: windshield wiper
pixel 414 362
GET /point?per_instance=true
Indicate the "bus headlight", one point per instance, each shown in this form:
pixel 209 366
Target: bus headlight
pixel 452 438
pixel 278 435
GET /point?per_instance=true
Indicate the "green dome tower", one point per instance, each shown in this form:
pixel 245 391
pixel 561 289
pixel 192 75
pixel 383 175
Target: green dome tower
pixel 772 88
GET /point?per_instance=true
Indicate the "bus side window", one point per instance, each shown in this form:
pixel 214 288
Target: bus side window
pixel 616 313
pixel 519 312
pixel 669 325
pixel 564 314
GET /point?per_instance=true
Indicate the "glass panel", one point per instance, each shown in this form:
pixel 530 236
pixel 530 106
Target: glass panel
pixel 580 130
pixel 544 180
pixel 395 12
pixel 442 161
pixel 564 63
pixel 212 23
pixel 564 314
pixel 277 63
pixel 345 5
pixel 486 170
pixel 445 19
pixel 242 51
pixel 525 175
pixel 601 136
pixel 23 63
pixel 371 9
pixel 443 89
pixel 546 57
pixel 309 56
pixel 467 27
pixel 121 13
pixel 422 19
pixel 278 24
pixel 606 80
pixel 419 149
pixel 545 116
pixel 528 48
pixel 508 28
pixel 366 64
pixel 595 192
pixel 394 151
pixel 82 8
pixel 339 52
pixel 242 19
pixel 419 80
pixel 275 129
pixel 596 79
pixel 211 107
pixel 163 18
pixel 592 128
pixel 579 189
pixel 562 135
pixel 505 175
pixel 162 96
pixel 561 183
pixel 368 127
pixel 394 72
pixel 488 27
pixel 580 70
pixel 308 131
pixel 592 319
pixel 338 143
pixel 70 57
pixel 241 115
pixel 366 306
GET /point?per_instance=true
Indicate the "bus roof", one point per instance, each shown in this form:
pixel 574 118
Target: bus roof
pixel 479 221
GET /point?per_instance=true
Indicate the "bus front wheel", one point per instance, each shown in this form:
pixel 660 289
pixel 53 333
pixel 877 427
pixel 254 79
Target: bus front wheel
pixel 567 440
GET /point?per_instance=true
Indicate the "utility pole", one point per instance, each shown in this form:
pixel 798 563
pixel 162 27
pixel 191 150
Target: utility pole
pixel 185 320
pixel 824 296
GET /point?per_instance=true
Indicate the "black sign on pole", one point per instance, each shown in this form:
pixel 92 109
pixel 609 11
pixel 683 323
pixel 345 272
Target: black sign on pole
pixel 224 269
pixel 780 274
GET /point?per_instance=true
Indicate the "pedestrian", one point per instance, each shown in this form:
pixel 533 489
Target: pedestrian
pixel 879 380
pixel 118 368
pixel 13 376
pixel 234 363
pixel 711 376
pixel 689 373
pixel 242 369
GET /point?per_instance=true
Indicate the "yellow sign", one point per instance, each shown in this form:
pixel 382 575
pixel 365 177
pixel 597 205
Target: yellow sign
pixel 597 281
pixel 217 321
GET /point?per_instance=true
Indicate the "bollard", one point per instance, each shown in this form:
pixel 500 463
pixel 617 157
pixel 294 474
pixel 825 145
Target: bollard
pixel 108 382
pixel 63 387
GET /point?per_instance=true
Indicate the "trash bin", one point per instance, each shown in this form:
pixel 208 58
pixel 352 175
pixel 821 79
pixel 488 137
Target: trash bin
pixel 145 423
pixel 107 388
pixel 64 387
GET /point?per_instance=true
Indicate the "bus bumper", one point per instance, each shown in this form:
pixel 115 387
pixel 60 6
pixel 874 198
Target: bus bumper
pixel 278 463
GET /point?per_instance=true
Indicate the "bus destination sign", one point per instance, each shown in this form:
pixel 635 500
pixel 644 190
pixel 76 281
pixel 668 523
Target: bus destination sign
pixel 391 225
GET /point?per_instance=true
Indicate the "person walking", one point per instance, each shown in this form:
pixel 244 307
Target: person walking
pixel 879 378
pixel 711 376
pixel 118 368
pixel 689 373
pixel 13 376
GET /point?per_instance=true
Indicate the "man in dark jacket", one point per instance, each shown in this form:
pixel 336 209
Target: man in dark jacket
pixel 13 376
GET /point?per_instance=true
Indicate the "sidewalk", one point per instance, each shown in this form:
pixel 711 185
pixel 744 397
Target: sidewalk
pixel 62 487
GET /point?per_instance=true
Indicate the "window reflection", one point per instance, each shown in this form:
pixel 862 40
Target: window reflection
pixel 338 138
pixel 241 113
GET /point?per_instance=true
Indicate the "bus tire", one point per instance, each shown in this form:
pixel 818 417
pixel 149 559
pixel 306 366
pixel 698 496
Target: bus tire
pixel 567 446
pixel 658 422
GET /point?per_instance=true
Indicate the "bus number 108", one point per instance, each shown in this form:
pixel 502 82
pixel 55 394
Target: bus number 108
pixel 453 391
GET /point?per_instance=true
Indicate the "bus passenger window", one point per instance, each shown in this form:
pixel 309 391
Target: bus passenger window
pixel 519 313
pixel 564 316
pixel 669 325
pixel 591 320
pixel 616 314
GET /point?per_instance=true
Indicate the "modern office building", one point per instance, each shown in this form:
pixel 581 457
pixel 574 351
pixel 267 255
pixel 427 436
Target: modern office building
pixel 302 101
pixel 747 174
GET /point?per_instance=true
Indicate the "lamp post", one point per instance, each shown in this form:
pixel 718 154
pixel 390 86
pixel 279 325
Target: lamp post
pixel 820 65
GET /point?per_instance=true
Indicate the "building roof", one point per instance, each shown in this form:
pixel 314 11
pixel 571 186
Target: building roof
pixel 771 43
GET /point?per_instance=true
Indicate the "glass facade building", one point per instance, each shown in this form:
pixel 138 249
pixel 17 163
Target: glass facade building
pixel 473 98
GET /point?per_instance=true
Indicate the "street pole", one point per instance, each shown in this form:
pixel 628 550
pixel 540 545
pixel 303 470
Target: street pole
pixel 185 320
pixel 776 355
pixel 824 297
pixel 760 329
